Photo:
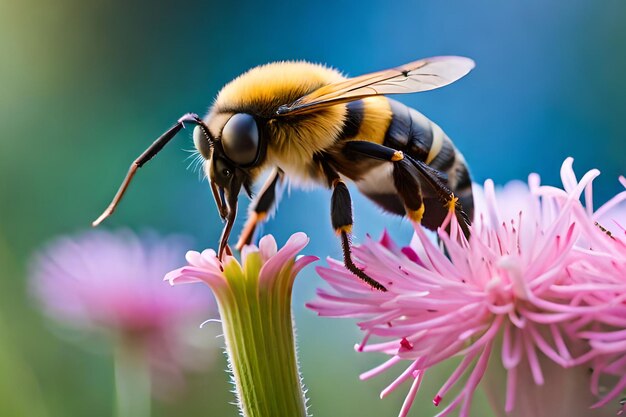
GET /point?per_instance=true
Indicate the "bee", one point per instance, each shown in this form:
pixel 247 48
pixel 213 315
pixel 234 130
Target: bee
pixel 312 125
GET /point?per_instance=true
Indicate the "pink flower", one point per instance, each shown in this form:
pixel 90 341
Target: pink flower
pixel 206 267
pixel 513 303
pixel 605 249
pixel 110 283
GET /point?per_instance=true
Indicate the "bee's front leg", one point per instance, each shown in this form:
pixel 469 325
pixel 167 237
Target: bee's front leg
pixel 262 207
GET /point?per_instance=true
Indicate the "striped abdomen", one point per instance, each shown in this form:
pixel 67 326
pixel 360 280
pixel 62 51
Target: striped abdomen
pixel 414 134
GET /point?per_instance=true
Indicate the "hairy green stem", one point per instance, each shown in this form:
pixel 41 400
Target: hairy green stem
pixel 258 329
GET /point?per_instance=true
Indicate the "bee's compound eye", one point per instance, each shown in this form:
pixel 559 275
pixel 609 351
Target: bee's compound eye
pixel 201 142
pixel 240 139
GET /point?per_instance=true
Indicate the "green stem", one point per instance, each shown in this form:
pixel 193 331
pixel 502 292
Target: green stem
pixel 132 379
pixel 258 330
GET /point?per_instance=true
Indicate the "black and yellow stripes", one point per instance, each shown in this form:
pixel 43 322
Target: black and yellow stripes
pixel 355 113
pixel 445 157
pixel 409 131
pixel 367 120
pixel 423 195
pixel 390 123
pixel 423 140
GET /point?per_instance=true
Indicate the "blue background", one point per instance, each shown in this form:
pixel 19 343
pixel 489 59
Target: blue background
pixel 86 86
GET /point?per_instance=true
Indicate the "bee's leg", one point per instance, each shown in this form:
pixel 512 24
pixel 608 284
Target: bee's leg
pixel 405 176
pixel 432 176
pixel 261 207
pixel 342 220
pixel 407 183
pixel 407 172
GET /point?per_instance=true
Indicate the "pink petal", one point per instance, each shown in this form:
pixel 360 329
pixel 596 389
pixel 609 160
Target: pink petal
pixel 272 267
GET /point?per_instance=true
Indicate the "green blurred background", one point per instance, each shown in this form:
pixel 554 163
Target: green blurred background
pixel 86 86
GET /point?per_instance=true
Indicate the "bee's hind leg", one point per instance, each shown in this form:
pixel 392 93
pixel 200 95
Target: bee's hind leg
pixel 432 176
pixel 342 220
pixel 406 175
pixel 261 207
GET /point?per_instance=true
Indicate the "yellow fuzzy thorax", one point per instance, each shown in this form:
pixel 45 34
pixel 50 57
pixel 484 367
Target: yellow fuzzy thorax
pixel 271 82
pixel 292 140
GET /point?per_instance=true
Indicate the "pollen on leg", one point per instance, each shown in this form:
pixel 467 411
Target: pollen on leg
pixel 397 156
pixel 416 215
pixel 452 203
pixel 347 229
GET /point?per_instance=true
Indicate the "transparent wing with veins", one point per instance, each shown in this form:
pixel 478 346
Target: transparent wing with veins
pixel 423 75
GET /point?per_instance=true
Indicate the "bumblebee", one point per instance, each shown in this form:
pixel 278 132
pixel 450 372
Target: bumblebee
pixel 312 125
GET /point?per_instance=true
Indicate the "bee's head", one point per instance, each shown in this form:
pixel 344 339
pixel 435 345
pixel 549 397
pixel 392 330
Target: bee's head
pixel 238 135
pixel 232 154
pixel 230 144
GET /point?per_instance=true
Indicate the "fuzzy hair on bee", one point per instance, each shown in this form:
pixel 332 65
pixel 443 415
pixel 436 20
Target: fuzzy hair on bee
pixel 313 126
pixel 262 90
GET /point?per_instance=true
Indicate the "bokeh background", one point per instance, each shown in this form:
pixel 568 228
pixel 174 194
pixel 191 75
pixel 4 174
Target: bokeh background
pixel 85 86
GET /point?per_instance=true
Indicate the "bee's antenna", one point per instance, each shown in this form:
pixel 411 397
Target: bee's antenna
pixel 147 155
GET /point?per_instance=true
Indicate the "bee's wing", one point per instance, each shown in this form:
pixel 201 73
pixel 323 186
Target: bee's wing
pixel 423 75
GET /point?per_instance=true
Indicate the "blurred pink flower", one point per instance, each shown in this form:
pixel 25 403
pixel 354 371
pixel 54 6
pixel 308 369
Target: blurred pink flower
pixel 525 288
pixel 111 283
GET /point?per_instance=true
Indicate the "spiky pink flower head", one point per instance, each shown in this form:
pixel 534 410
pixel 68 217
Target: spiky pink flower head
pixel 111 283
pixel 506 303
